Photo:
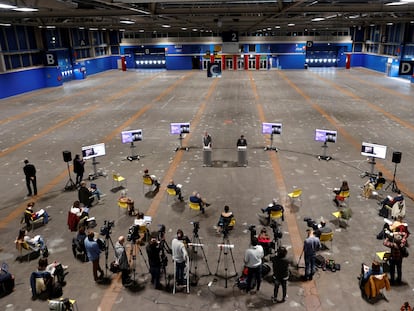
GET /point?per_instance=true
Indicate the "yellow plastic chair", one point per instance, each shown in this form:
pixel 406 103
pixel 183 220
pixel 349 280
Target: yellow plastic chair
pixel 343 198
pixel 194 206
pixel 171 193
pixel 326 237
pixel 146 183
pixel 295 195
pixel 118 180
pixel 276 215
pixel 122 206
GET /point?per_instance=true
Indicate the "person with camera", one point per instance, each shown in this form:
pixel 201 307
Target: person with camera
pixel 121 259
pixel 253 261
pixel 394 241
pixel 154 260
pixel 310 246
pixel 93 251
pixel 280 273
pixel 180 257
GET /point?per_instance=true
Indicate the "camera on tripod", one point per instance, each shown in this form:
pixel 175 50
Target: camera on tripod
pixel 196 225
pixel 133 233
pixel 311 223
pixel 278 234
pixel 252 229
pixel 106 229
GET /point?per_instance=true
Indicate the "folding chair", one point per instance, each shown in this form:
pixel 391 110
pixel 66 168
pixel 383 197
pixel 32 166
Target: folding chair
pixel 118 180
pixel 295 195
pixel 194 206
pixel 326 237
pixel 122 206
pixel 171 193
pixel 276 215
pixel 146 183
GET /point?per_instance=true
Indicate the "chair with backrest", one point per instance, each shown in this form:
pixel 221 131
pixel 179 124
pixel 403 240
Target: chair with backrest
pixel 118 181
pixel 146 183
pixel 194 206
pixel 343 198
pixel 122 205
pixel 326 237
pixel 171 193
pixel 295 195
pixel 276 215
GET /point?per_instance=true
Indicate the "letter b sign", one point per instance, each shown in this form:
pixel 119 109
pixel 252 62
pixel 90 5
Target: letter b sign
pixel 50 59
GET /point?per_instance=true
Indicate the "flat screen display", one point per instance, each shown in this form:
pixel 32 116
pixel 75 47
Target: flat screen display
pixel 180 128
pixel 325 136
pixel 92 151
pixel 373 150
pixel 131 136
pixel 272 128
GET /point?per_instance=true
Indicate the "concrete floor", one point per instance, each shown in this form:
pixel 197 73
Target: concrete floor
pixel 361 105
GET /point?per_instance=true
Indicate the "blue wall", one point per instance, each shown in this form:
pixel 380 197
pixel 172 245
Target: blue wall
pixel 15 83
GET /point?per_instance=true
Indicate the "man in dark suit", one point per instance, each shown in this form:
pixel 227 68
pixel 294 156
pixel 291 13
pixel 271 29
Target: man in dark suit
pixel 30 173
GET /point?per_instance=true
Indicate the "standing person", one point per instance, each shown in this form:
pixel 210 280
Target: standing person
pixel 242 141
pixel 30 173
pixel 154 259
pixel 280 273
pixel 122 259
pixel 180 256
pixel 311 245
pixel 207 140
pixel 78 168
pixel 253 261
pixel 94 252
pixel 395 243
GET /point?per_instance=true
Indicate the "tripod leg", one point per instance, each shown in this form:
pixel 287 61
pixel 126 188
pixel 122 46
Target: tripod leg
pixel 175 278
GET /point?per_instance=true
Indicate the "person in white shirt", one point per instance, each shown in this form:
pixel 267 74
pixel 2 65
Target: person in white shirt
pixel 253 261
pixel 179 255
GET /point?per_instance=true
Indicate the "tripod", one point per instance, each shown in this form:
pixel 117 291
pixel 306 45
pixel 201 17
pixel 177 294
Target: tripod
pixel 107 240
pixel 133 156
pixel 180 138
pixel 70 185
pixel 193 258
pixel 271 147
pixel 393 184
pixel 324 156
pixel 225 249
pixel 133 257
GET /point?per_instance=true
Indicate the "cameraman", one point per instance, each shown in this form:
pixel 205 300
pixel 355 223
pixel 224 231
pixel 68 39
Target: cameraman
pixel 154 259
pixel 93 252
pixel 180 256
pixel 122 259
pixel 280 273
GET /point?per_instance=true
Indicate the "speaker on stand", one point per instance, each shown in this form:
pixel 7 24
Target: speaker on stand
pixel 396 158
pixel 67 157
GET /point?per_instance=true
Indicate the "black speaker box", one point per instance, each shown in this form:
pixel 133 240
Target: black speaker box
pixel 396 157
pixel 67 156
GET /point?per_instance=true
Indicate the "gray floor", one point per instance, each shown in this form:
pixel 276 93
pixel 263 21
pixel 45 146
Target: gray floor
pixel 359 104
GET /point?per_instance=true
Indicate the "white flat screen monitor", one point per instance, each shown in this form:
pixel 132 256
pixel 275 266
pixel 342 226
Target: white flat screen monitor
pixel 92 151
pixel 327 136
pixel 180 128
pixel 272 128
pixel 131 136
pixel 373 150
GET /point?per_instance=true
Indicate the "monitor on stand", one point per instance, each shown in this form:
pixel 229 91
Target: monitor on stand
pixel 271 129
pixel 180 129
pixel 129 137
pixel 92 152
pixel 325 136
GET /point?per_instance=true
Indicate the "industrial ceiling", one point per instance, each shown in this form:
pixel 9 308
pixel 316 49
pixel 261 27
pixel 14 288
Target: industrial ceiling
pixel 247 17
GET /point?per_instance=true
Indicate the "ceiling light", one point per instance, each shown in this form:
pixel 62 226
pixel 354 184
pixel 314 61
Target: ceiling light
pixel 291 25
pixel 195 29
pixel 277 27
pixel 317 19
pixel 93 29
pixel 126 22
pixel 396 3
pixel 7 6
pixel 25 10
pixel 183 28
pixel 6 25
pixel 390 24
pixel 141 30
pixel 166 26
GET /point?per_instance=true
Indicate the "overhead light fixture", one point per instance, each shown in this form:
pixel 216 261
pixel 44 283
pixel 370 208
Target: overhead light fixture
pixel 317 19
pixel 50 27
pixel 277 27
pixel 183 28
pixel 25 10
pixel 93 28
pixel 141 30
pixel 166 26
pixel 128 22
pixel 396 3
pixel 5 25
pixel 291 24
pixel 7 6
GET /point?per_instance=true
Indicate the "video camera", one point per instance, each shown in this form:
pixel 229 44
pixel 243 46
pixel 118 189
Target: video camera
pixel 106 229
pixel 196 225
pixel 278 234
pixel 311 223
pixel 133 233
pixel 252 229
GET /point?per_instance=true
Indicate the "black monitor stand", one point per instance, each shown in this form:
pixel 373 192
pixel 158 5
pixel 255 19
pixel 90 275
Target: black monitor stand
pixel 95 174
pixel 181 137
pixel 372 162
pixel 271 147
pixel 324 156
pixel 133 156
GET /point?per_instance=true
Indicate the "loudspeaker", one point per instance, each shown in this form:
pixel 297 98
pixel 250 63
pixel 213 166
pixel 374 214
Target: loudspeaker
pixel 396 157
pixel 67 156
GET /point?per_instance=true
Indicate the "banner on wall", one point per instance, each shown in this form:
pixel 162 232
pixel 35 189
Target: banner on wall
pixel 50 59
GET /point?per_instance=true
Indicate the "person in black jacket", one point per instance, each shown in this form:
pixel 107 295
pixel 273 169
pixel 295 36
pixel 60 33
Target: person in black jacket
pixel 30 173
pixel 78 168
pixel 154 259
pixel 85 196
pixel 280 273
